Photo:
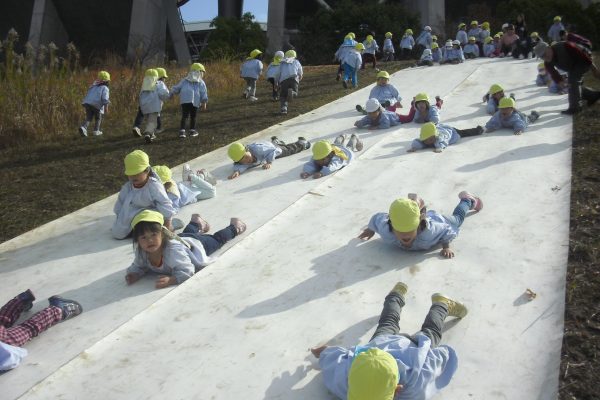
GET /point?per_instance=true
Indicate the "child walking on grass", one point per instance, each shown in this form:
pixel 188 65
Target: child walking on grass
pixel 272 72
pixel 351 64
pixel 441 136
pixel 176 258
pixel 509 117
pixel 96 103
pixel 288 79
pixel 411 227
pixel 139 118
pixel 152 95
pixel 250 71
pixel 328 158
pixel 192 96
pixel 195 186
pixel 262 153
pixel 394 365
pixel 143 190
pixel 12 336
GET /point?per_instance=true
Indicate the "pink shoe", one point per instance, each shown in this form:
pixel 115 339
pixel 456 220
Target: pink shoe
pixel 477 203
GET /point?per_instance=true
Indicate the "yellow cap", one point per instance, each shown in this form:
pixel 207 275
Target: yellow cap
pixel 542 66
pixel 321 149
pixel 388 35
pixel 373 375
pixel 255 53
pixel 147 216
pixel 506 102
pixel 461 25
pixel 433 37
pixel 557 18
pixel 236 151
pixel 359 46
pixel 369 38
pixel 471 38
pixel 152 73
pixel 408 31
pixel 352 35
pixel 162 73
pixel 488 39
pixel 347 37
pixel 164 173
pixel 497 36
pixel 501 33
pixel 534 35
pixel 135 162
pixel 495 88
pixel 383 74
pixel 486 25
pixel 474 22
pixel 428 130
pixel 434 45
pixel 290 54
pixel 405 215
pixel 103 76
pixel 421 97
pixel 197 67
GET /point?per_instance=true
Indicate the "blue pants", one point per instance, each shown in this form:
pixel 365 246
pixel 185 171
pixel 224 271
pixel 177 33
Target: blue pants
pixel 459 213
pixel 211 243
pixel 350 73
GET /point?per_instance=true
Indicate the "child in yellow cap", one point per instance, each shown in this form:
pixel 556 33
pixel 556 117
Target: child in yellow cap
pixel 492 98
pixel 406 44
pixel 508 116
pixel 544 79
pixel 139 118
pixel 262 153
pixel 194 188
pixel 410 226
pixel 471 49
pixel 555 28
pixel 193 96
pixel 351 63
pixel 175 257
pixel 328 158
pixel 272 72
pixel 441 136
pixel 394 365
pixel 152 95
pixel 143 190
pixel 371 48
pixel 96 103
pixel 421 111
pixel 385 92
pixel 388 47
pixel 250 71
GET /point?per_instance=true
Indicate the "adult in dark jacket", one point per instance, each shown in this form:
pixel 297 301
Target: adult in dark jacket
pixel 576 61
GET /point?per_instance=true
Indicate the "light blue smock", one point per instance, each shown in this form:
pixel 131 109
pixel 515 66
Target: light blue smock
pixel 462 37
pixel 424 39
pixel 433 115
pixel 488 49
pixel 370 48
pixel 446 136
pixel 385 93
pixel 471 48
pixel 407 42
pixel 98 96
pixel 151 101
pixel 10 356
pixel 335 164
pixel 517 121
pixel 289 68
pixel 251 68
pixel 388 45
pixel 263 152
pixel 383 121
pixel 190 91
pixel 353 59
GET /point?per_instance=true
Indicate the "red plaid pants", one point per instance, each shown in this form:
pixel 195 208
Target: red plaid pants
pixel 22 333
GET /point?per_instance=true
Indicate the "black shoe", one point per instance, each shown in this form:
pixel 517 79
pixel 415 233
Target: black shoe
pixel 27 298
pixel 302 140
pixel 359 108
pixel 533 116
pixel 149 138
pixel 480 129
pixel 70 308
pixel 276 141
pixel 345 84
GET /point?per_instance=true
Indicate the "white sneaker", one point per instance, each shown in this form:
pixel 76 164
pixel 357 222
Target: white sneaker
pixel 283 110
pixel 82 131
pixel 355 143
pixel 340 140
pixel 186 172
pixel 208 177
pixel 97 133
pixel 252 99
pixel 182 133
pixel 136 131
pixel 193 133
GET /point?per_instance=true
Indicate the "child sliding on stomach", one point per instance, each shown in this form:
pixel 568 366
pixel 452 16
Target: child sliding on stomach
pixel 377 117
pixel 262 153
pixel 441 136
pixel 328 158
pixel 508 116
pixel 191 190
pixel 175 257
pixel 410 226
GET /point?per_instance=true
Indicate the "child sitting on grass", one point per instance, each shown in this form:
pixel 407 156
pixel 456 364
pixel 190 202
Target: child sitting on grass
pixel 377 117
pixel 440 136
pixel 250 71
pixel 192 96
pixel 328 158
pixel 176 258
pixel 508 116
pixel 152 95
pixel 385 93
pixel 191 190
pixel 96 103
pixel 262 153
pixel 143 190
pixel 410 226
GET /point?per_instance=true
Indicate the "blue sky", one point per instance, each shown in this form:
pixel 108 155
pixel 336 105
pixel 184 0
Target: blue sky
pixel 205 10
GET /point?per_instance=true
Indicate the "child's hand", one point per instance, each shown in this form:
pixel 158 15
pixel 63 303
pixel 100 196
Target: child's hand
pixel 317 175
pixel 316 351
pixel 411 150
pixel 447 253
pixel 165 281
pixel 266 166
pixel 366 234
pixel 436 150
pixel 518 132
pixel 132 278
pixel 234 175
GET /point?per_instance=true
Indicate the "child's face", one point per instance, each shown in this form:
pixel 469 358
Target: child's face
pixel 324 161
pixel 247 159
pixel 421 106
pixel 406 238
pixel 429 141
pixel 382 81
pixel 374 115
pixel 150 242
pixel 139 179
pixel 506 112
pixel 499 95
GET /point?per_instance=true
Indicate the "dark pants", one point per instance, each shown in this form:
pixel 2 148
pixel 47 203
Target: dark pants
pixel 289 149
pixel 289 83
pixel 367 57
pixel 211 243
pixel 275 94
pixel 575 79
pixel 422 63
pixel 139 118
pixel 188 110
pixel 389 320
pixel 469 132
pixel 92 113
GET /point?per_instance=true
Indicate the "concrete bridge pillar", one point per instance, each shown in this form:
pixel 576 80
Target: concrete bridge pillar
pixel 46 25
pixel 276 25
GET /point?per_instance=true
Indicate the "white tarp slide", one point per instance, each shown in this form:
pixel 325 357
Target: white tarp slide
pixel 241 328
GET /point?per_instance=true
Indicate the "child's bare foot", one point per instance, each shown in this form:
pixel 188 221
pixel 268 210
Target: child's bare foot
pixel 239 225
pixel 197 219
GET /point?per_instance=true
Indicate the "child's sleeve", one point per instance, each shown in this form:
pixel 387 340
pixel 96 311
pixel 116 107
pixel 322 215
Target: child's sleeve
pixel 364 121
pixel 335 366
pixel 335 164
pixel 440 143
pixel 300 71
pixel 434 114
pixel 163 204
pixel 491 106
pixel 384 122
pixel 417 144
pixel 494 123
pixel 177 88
pixel 122 194
pixel 138 266
pixel 105 96
pixel 379 222
pixel 163 91
pixel 519 123
pixel 241 168
pixel 310 167
pixel 203 92
pixel 180 263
